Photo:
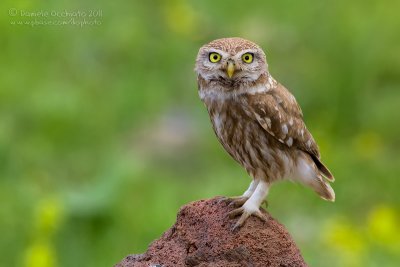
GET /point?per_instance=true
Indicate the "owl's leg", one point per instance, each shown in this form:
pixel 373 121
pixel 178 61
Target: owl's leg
pixel 249 192
pixel 252 205
pixel 251 189
pixel 240 200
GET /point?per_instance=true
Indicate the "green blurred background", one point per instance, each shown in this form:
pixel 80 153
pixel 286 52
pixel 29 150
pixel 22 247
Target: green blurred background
pixel 103 137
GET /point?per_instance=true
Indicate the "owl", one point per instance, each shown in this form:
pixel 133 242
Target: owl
pixel 258 122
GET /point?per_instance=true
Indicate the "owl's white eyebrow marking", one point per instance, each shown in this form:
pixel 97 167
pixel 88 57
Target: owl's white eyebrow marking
pixel 242 52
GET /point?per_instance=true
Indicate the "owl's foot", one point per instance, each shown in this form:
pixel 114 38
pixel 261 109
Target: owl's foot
pixel 234 201
pixel 246 211
pixel 251 206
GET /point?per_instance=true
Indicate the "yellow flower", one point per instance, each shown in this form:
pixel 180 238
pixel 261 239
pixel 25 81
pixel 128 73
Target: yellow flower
pixel 347 240
pixel 384 228
pixel 40 254
pixel 48 216
pixel 344 236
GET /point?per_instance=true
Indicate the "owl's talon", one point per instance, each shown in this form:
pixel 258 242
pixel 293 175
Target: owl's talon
pixel 236 212
pixel 221 200
pixel 234 201
pixel 245 215
pixel 242 219
pixel 260 215
pixel 224 200
pixel 237 201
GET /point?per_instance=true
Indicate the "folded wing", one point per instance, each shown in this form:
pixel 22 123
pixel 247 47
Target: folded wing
pixel 280 115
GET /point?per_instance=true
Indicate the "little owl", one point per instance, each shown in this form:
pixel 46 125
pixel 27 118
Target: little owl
pixel 258 122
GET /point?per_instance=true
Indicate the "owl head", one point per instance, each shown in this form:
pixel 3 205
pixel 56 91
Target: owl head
pixel 231 61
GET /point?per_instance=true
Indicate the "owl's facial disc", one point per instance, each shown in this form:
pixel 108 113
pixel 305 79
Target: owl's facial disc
pixel 231 62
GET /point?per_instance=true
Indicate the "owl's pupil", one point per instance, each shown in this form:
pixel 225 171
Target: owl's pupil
pixel 246 57
pixel 215 57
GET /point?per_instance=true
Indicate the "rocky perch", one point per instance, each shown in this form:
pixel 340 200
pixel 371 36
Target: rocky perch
pixel 202 236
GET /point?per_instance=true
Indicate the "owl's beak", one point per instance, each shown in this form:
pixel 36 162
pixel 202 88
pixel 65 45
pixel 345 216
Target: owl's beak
pixel 230 69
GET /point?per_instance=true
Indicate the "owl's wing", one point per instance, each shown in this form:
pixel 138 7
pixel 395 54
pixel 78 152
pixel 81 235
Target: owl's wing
pixel 280 115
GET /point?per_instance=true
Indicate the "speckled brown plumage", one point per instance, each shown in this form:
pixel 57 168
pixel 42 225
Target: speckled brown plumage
pixel 258 122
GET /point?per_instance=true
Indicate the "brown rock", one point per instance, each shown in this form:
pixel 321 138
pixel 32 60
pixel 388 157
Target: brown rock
pixel 202 236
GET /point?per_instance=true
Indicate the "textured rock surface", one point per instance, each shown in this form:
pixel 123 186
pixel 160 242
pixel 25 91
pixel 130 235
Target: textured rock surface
pixel 202 236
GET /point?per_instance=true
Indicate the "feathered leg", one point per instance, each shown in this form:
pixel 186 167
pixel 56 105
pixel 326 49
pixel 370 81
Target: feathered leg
pixel 240 200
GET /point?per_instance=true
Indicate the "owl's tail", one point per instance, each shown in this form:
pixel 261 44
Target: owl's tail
pixel 320 186
pixel 322 168
pixel 323 189
pixel 311 175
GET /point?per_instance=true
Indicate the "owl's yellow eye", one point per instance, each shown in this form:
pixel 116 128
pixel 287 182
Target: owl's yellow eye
pixel 215 57
pixel 247 57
